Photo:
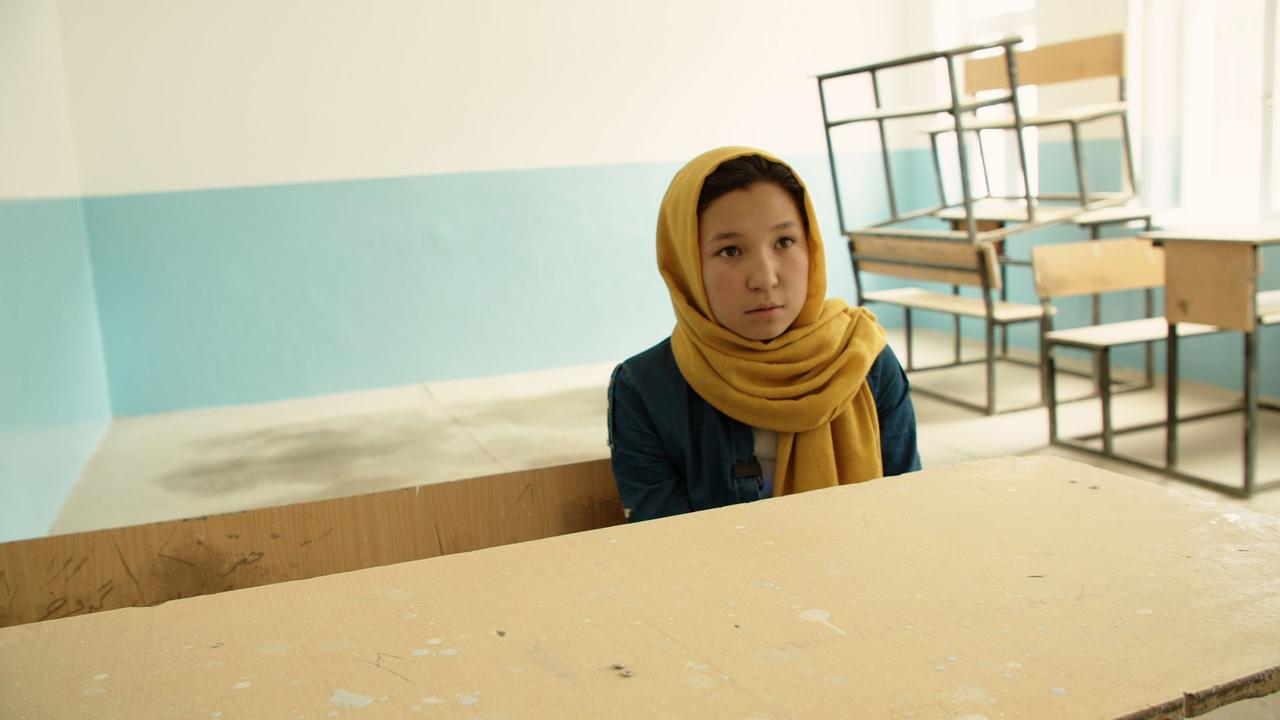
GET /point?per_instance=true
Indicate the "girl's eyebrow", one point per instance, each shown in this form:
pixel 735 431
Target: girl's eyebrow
pixel 785 225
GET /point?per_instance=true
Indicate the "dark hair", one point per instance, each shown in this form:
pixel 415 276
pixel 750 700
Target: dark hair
pixel 741 173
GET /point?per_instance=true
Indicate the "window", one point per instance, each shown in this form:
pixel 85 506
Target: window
pixel 975 22
pixel 1270 187
pixel 1205 107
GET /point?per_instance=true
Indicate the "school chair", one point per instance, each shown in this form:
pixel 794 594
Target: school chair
pixel 1099 268
pixel 952 260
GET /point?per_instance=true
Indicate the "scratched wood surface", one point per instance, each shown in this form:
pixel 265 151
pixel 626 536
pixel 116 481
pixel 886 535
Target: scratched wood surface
pixel 1009 588
pixel 144 565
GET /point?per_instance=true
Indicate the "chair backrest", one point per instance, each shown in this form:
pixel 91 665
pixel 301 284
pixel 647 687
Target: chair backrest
pixel 1101 56
pixel 936 260
pixel 1096 266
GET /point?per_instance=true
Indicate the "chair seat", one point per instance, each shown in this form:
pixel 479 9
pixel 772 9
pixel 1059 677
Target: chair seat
pixel 1268 305
pixel 1123 333
pixel 1112 215
pixel 1080 113
pixel 919 298
pixel 1002 210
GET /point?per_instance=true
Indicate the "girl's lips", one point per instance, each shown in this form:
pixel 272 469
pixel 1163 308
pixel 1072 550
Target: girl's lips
pixel 764 310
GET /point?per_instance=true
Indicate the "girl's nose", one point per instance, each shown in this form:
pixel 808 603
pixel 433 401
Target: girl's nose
pixel 762 273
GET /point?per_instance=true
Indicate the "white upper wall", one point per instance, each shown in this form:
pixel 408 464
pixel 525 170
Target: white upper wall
pixel 192 94
pixel 37 155
pixel 1062 20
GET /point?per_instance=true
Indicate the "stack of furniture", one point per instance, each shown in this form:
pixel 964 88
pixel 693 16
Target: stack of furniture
pixel 1211 273
pixel 980 223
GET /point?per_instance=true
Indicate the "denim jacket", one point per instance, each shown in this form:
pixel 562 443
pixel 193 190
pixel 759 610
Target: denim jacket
pixel 673 453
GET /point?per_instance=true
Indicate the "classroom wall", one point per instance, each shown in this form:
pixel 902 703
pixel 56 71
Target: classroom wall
pixel 54 404
pixel 207 204
pixel 197 95
pixel 286 202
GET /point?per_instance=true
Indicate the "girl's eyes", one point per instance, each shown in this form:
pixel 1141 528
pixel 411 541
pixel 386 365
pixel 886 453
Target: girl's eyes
pixel 728 251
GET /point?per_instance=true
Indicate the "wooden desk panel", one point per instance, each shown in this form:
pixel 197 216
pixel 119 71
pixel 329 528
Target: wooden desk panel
pixel 1211 282
pixel 1017 587
pixel 144 565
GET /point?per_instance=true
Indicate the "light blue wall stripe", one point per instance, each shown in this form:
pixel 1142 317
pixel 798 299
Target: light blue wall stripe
pixel 246 295
pixel 54 404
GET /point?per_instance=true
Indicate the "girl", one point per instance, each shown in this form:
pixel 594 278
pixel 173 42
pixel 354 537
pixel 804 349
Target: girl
pixel 765 387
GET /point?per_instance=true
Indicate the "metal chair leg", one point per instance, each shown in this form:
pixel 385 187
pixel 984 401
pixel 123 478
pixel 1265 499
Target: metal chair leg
pixel 955 327
pixel 1171 400
pixel 1004 297
pixel 1081 176
pixel 991 367
pixel 1044 361
pixel 1250 411
pixel 1095 233
pixel 1149 359
pixel 937 169
pixel 1051 387
pixel 1104 395
pixel 911 365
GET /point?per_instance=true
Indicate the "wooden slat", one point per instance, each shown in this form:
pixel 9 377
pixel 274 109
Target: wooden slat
pixel 932 251
pixel 1093 57
pixel 1212 283
pixel 143 565
pixel 1096 267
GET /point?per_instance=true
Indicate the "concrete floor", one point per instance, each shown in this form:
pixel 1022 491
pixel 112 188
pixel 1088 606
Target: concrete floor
pixel 203 462
pixel 226 459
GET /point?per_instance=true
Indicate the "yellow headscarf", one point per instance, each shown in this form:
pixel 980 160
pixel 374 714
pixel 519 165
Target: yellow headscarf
pixel 808 384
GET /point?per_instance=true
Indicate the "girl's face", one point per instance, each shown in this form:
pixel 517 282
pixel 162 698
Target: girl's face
pixel 755 260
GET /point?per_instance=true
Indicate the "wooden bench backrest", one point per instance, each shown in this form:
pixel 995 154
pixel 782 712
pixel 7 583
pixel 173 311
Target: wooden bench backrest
pixel 1096 266
pixel 970 262
pixel 1101 56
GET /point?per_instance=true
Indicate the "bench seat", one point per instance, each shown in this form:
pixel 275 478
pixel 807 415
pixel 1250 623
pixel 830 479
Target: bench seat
pixel 919 298
pixel 1123 333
